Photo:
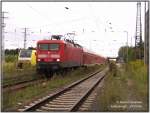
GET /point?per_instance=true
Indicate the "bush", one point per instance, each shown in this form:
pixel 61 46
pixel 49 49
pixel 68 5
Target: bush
pixel 10 58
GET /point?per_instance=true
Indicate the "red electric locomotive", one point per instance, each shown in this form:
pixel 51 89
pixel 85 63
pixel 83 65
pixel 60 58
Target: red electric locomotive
pixel 55 55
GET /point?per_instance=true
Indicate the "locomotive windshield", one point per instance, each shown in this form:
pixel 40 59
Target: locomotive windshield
pixel 43 46
pixel 25 53
pixel 52 47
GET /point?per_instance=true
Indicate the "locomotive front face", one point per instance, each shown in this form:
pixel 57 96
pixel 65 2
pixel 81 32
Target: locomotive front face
pixel 49 55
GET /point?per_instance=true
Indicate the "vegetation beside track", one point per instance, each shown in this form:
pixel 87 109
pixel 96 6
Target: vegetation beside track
pixel 11 58
pixel 11 100
pixel 12 75
pixel 125 88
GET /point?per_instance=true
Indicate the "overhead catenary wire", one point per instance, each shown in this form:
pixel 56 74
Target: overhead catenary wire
pixel 40 14
pixel 55 23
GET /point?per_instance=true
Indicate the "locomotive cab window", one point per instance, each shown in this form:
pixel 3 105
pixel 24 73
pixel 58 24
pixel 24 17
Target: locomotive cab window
pixel 25 53
pixel 43 46
pixel 54 47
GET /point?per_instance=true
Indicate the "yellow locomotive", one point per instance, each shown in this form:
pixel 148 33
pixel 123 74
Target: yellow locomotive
pixel 26 57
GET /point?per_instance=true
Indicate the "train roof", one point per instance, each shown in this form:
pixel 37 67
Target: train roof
pixel 91 52
pixel 49 41
pixel 60 41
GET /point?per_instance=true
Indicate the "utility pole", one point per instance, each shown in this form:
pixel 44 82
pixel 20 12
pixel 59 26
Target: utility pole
pixel 25 37
pixel 145 34
pixel 131 41
pixel 146 37
pixel 127 45
pixel 138 37
pixel 2 50
pixel 3 24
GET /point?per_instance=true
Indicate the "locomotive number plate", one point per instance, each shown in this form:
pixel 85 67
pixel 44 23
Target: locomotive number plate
pixel 55 56
pixel 42 55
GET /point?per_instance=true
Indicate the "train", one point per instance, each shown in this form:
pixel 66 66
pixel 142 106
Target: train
pixel 56 55
pixel 26 56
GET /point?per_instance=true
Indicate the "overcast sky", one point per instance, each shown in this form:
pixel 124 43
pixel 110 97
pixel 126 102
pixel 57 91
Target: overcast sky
pixel 92 22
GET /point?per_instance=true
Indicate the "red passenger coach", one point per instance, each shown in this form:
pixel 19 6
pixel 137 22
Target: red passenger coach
pixel 90 58
pixel 53 55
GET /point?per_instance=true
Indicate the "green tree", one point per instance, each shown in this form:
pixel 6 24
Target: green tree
pixel 131 53
pixel 127 53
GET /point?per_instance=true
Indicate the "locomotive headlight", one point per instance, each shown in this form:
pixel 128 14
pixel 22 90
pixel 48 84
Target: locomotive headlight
pixel 39 59
pixel 58 60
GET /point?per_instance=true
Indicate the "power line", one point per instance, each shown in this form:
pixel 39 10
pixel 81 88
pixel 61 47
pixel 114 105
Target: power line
pixel 46 18
pixel 63 22
pixel 58 23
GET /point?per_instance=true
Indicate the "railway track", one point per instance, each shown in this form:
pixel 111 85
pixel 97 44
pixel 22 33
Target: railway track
pixel 70 98
pixel 17 80
pixel 20 85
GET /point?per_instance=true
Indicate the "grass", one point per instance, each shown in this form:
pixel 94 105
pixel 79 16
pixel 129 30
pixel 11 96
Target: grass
pixel 13 75
pixel 10 64
pixel 112 91
pixel 139 75
pixel 126 84
pixel 11 99
pixel 10 69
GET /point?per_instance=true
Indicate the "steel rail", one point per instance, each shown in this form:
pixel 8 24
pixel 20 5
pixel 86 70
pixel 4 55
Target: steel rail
pixel 35 106
pixel 21 85
pixel 21 82
pixel 85 95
